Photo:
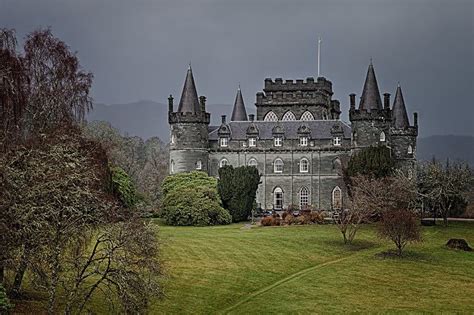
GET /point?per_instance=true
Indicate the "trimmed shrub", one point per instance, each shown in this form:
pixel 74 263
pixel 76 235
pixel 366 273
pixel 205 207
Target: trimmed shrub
pixel 192 199
pixel 289 219
pixel 266 221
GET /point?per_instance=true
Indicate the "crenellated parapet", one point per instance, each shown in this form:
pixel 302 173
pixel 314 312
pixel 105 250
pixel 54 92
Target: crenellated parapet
pixel 411 131
pixel 180 117
pixel 372 115
pixel 298 85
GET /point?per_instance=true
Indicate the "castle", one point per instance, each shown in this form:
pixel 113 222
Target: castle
pixel 296 140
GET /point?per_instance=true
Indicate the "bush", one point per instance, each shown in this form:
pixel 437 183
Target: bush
pixel 192 199
pixel 271 221
pixel 317 217
pixel 122 187
pixel 399 226
pixel 289 219
pixel 5 304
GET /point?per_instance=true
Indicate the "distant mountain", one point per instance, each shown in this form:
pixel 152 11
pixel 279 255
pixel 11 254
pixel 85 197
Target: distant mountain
pixel 148 119
pixel 442 147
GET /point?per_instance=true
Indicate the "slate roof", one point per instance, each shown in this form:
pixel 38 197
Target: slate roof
pixel 189 102
pixel 370 99
pixel 239 113
pixel 320 129
pixel 400 116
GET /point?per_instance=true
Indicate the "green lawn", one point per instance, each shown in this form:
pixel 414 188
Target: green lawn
pixel 307 269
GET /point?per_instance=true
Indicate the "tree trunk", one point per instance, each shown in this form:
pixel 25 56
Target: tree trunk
pixel 16 288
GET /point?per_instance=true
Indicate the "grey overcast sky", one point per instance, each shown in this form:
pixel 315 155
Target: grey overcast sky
pixel 141 49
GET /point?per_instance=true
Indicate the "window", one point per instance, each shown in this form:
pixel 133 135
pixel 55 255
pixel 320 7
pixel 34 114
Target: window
pixel 307 116
pixel 288 116
pixel 336 141
pixel 252 142
pixel 304 198
pixel 304 165
pixel 278 166
pixel 337 165
pixel 382 136
pixel 337 198
pixel 199 165
pixel 278 141
pixel 173 139
pixel 410 149
pixel 304 141
pixel 223 163
pixel 270 116
pixel 253 162
pixel 277 198
pixel 172 167
pixel 224 142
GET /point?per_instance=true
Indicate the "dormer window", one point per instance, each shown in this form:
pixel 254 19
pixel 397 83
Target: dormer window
pixel 336 141
pixel 277 141
pixel 304 141
pixel 252 142
pixel 224 142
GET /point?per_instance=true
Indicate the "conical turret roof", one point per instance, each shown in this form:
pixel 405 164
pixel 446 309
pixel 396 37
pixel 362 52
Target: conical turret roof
pixel 189 102
pixel 239 113
pixel 370 99
pixel 399 111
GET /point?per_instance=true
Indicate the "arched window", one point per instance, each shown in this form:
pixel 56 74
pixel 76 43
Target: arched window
pixel 410 149
pixel 270 116
pixel 307 116
pixel 198 164
pixel 304 165
pixel 337 165
pixel 173 139
pixel 171 167
pixel 382 136
pixel 304 198
pixel 277 198
pixel 278 166
pixel 253 162
pixel 336 198
pixel 288 116
pixel 223 163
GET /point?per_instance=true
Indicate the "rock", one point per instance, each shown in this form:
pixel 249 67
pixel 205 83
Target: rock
pixel 458 243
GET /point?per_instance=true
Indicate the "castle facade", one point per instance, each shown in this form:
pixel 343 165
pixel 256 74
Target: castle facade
pixel 296 140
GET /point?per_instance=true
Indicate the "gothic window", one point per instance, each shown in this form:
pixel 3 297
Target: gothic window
pixel 336 198
pixel 172 167
pixel 304 165
pixel 270 116
pixel 307 116
pixel 278 198
pixel 304 141
pixel 278 166
pixel 410 149
pixel 252 142
pixel 304 197
pixel 198 164
pixel 253 162
pixel 382 136
pixel 288 116
pixel 277 141
pixel 223 163
pixel 336 141
pixel 224 142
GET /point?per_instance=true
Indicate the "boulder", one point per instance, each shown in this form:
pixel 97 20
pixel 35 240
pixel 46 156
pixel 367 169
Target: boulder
pixel 458 243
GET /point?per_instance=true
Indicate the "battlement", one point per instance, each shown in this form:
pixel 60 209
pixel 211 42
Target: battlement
pixel 410 131
pixel 299 85
pixel 363 114
pixel 179 117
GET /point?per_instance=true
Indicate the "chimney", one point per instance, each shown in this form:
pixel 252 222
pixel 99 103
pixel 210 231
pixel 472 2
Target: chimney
pixel 251 117
pixel 415 119
pixel 352 98
pixel 202 102
pixel 223 119
pixel 386 100
pixel 170 103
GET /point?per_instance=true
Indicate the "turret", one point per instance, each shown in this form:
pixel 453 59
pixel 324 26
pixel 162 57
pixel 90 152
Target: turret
pixel 239 113
pixel 189 130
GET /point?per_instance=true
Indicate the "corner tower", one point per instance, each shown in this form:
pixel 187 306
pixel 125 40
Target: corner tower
pixel 189 145
pixel 371 121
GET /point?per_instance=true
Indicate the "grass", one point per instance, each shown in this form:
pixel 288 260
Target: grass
pixel 307 269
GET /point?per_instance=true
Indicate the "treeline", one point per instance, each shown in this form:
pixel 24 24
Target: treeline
pixel 69 220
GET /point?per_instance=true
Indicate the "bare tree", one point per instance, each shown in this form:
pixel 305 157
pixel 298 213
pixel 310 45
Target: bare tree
pixel 399 226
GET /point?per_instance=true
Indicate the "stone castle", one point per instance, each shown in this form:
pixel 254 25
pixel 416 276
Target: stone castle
pixel 296 140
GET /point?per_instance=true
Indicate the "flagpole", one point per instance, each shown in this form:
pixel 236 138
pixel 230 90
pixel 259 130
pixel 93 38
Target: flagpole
pixel 319 57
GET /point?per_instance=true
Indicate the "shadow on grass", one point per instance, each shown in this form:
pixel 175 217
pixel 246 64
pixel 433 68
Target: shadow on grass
pixel 405 256
pixel 356 245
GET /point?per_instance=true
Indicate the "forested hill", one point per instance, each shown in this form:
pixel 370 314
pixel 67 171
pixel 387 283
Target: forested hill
pixel 148 119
